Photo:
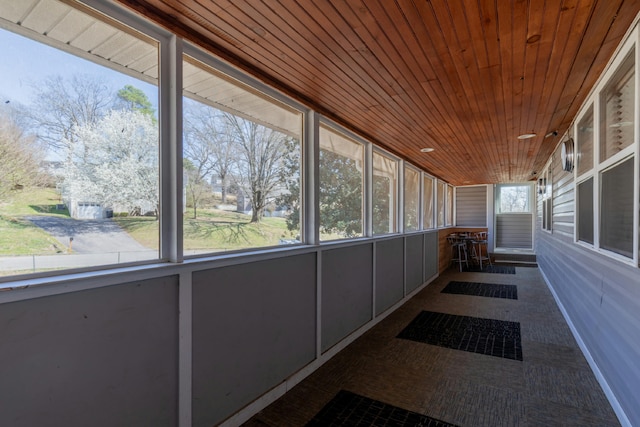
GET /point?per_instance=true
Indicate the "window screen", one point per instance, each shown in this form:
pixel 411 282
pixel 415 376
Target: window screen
pixel 585 211
pixel 616 206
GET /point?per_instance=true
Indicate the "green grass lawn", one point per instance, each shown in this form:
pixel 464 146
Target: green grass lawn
pixel 213 230
pixel 17 235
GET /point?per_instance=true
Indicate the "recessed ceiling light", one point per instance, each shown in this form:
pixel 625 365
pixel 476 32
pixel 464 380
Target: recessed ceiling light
pixel 427 150
pixel 526 135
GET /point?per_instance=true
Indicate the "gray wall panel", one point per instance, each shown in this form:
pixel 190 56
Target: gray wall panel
pixel 415 260
pixel 389 273
pixel 602 299
pixel 253 326
pixel 100 357
pixel 430 255
pixel 347 291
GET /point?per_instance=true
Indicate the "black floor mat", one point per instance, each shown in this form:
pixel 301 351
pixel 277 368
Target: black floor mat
pixel 350 409
pixel 490 290
pixel 485 336
pixel 495 269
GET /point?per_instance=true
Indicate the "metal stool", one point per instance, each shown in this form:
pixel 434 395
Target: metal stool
pixel 479 241
pixel 459 250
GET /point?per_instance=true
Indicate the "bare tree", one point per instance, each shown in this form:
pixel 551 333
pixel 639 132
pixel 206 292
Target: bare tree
pixel 60 105
pixel 207 143
pixel 20 155
pixel 261 159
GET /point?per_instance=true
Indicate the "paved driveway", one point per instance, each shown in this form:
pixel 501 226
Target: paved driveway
pixel 89 235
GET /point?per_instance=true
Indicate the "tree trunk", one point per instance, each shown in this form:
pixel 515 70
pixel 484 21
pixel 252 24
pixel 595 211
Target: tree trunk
pixel 257 206
pixel 223 182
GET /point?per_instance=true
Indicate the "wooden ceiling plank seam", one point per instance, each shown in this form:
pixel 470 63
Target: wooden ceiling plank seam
pixel 535 61
pixel 403 88
pixel 479 45
pixel 519 14
pixel 444 65
pixel 341 68
pixel 446 21
pixel 433 88
pixel 462 23
pixel 432 114
pixel 355 39
pixel 489 19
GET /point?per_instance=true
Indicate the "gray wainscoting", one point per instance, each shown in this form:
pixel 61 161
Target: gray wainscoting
pixel 254 325
pixel 98 357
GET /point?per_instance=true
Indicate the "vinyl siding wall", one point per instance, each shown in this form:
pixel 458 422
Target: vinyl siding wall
pixel 600 297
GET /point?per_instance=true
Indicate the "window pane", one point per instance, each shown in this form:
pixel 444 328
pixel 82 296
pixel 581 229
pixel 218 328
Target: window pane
pixel 341 186
pixel 585 142
pixel 241 165
pixel 385 177
pixel 84 187
pixel 411 199
pixel 449 205
pixel 515 198
pixel 618 112
pixel 585 211
pixel 616 205
pixel 442 187
pixel 427 201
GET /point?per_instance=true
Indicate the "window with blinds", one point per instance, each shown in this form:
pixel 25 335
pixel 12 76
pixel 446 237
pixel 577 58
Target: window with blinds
pixel 584 142
pixel 471 206
pixel 618 112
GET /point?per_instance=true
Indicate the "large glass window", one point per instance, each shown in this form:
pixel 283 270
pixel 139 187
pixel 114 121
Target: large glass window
pixel 440 203
pixel 514 199
pixel 584 142
pixel 616 209
pixel 449 219
pixel 618 111
pixel 241 164
pixel 341 186
pixel 385 183
pixel 427 202
pixel 411 199
pixel 78 141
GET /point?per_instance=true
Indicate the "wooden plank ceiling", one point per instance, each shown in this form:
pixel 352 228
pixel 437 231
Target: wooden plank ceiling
pixel 465 77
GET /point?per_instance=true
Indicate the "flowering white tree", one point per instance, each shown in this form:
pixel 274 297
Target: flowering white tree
pixel 114 162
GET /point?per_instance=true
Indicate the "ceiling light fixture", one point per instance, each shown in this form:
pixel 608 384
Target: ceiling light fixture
pixel 526 135
pixel 427 150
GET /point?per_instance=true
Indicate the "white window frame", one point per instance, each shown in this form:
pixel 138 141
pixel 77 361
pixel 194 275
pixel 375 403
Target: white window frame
pixel 595 98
